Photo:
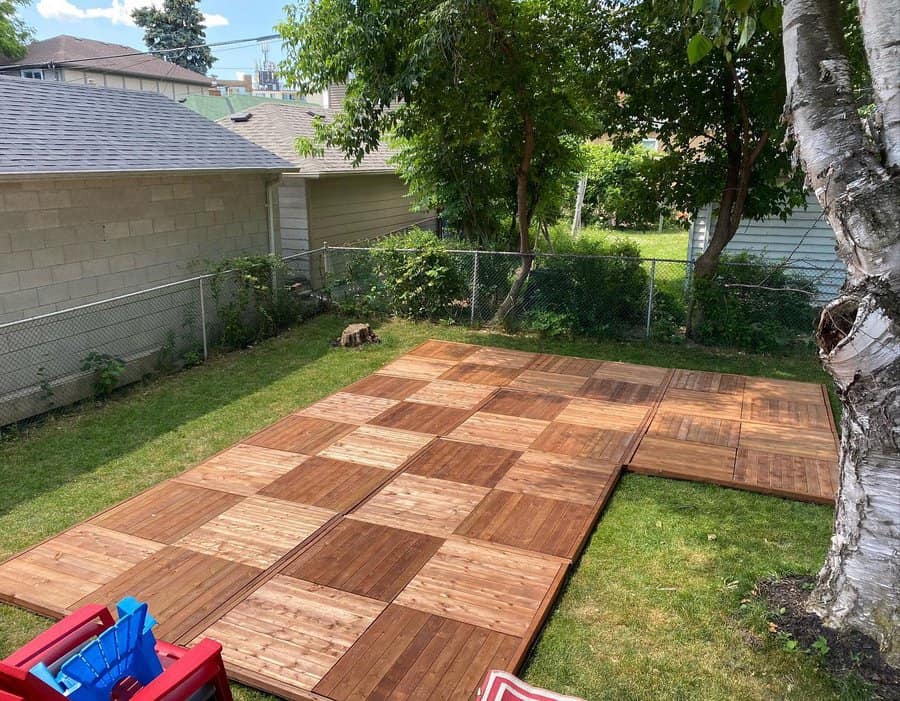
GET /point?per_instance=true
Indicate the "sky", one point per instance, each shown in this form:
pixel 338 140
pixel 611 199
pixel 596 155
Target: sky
pixel 110 20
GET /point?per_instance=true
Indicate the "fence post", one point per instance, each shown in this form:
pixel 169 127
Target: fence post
pixel 650 297
pixel 203 322
pixel 326 267
pixel 474 300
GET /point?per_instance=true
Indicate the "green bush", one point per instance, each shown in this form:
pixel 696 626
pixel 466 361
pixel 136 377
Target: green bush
pixel 596 296
pixel 413 276
pixel 620 186
pixel 755 304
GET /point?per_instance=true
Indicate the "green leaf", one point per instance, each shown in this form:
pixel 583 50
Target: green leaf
pixel 699 6
pixel 748 29
pixel 698 47
pixel 771 18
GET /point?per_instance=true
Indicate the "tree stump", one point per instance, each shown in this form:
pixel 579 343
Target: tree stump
pixel 357 335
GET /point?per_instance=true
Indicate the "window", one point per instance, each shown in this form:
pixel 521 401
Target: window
pixel 649 144
pixel 34 73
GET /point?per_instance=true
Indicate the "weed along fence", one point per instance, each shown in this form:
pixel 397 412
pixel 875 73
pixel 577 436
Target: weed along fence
pixel 56 359
pixel 751 303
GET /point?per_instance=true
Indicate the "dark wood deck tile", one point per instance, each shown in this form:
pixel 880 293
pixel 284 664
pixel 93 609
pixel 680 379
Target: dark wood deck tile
pixel 456 461
pixel 326 483
pixel 529 405
pixel 473 374
pixel 424 418
pixel 386 387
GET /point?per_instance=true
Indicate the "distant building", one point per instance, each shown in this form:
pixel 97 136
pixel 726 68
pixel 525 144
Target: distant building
pixel 242 85
pixel 69 59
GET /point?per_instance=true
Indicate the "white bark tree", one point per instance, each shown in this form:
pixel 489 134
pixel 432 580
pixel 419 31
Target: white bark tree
pixel 855 173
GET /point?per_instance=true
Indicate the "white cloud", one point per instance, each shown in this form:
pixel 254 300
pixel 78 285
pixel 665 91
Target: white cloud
pixel 118 12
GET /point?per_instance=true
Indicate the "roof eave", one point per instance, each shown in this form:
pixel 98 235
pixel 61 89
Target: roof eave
pixel 37 175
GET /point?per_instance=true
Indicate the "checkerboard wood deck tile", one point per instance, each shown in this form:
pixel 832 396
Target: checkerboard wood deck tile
pixel 405 534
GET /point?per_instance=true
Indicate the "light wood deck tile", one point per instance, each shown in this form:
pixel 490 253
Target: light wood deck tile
pixel 556 383
pixel 258 531
pixel 417 368
pixel 511 432
pixel 386 448
pixel 457 395
pixel 243 469
pixel 596 413
pixel 348 408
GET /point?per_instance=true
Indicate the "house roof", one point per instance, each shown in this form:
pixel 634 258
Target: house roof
pixel 52 128
pixel 216 107
pixel 92 55
pixel 276 125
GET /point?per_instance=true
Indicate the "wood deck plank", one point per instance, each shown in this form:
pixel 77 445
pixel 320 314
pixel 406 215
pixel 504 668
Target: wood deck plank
pixel 556 383
pixel 528 405
pixel 375 446
pixel 424 418
pixel 417 368
pixel 474 374
pixel 329 484
pixel 301 434
pixel 583 442
pixel 697 429
pixel 243 469
pixel 577 480
pixel 348 408
pixel 510 432
pixel 385 386
pixel 458 395
pixel 457 461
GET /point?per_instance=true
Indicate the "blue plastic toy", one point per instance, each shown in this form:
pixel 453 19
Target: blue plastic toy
pixel 126 651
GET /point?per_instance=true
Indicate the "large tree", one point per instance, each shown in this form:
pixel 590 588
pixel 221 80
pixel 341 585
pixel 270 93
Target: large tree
pixel 177 25
pixel 486 99
pixel 853 166
pixel 718 120
pixel 14 33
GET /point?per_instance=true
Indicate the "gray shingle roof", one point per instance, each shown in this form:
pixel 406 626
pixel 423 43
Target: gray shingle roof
pixel 65 50
pixel 276 127
pixel 57 128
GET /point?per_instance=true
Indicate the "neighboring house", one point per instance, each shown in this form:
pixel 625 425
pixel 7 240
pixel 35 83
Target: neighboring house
pixel 69 59
pixel 105 192
pixel 239 86
pixel 805 240
pixel 327 200
pixel 216 107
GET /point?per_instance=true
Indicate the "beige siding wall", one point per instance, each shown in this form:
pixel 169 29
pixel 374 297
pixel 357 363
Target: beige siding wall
pixel 68 242
pixel 347 209
pixel 170 88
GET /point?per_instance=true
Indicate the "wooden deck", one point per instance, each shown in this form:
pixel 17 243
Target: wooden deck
pixel 404 535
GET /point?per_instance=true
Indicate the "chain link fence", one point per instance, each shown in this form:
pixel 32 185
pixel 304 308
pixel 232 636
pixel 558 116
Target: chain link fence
pixel 605 296
pixel 53 360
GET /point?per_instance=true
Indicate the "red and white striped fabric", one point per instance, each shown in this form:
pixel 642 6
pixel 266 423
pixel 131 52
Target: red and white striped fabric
pixel 501 686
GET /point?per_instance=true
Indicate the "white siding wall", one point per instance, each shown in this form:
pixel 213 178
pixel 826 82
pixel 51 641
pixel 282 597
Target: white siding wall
pixel 294 218
pixel 806 239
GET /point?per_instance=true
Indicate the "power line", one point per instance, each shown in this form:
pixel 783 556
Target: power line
pixel 153 52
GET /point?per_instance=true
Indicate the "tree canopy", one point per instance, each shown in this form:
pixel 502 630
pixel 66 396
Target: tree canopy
pixel 178 24
pixel 486 100
pixel 14 33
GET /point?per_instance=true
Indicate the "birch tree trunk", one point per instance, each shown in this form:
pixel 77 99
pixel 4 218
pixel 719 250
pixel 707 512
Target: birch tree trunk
pixel 857 181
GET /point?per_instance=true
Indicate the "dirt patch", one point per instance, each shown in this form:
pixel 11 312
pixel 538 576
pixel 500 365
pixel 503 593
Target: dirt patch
pixel 848 652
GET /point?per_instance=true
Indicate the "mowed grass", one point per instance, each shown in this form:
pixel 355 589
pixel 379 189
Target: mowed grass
pixel 654 607
pixel 670 244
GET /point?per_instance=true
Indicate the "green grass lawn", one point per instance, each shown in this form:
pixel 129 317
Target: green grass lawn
pixel 654 609
pixel 670 244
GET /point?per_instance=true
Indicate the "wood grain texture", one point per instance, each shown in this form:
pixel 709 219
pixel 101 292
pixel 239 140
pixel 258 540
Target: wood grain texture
pixel 698 429
pixel 326 483
pixel 787 475
pixel 786 412
pixel 167 512
pixel 501 357
pixel 444 350
pixel 365 558
pixel 301 434
pixel 469 463
pixel 530 522
pixel 417 368
pixel 629 372
pixel 458 395
pixel 386 387
pixel 291 631
pixel 674 458
pixel 409 654
pixel 386 448
pixel 600 414
pixel 54 575
pixel 421 504
pixel 702 381
pixel 424 418
pixel 565 365
pixel 577 480
pixel 620 391
pixel 510 432
pixel 583 442
pixel 243 469
pixel 473 374
pixel 790 440
pixel 715 405
pixel 348 408
pixel 182 587
pixel 555 383
pixel 257 531
pixel 783 389
pixel 487 585
pixel 528 405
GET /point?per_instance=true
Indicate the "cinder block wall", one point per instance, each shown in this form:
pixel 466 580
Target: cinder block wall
pixel 68 242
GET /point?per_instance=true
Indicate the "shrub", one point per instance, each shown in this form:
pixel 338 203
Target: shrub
pixel 106 370
pixel 422 283
pixel 620 185
pixel 599 296
pixel 734 309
